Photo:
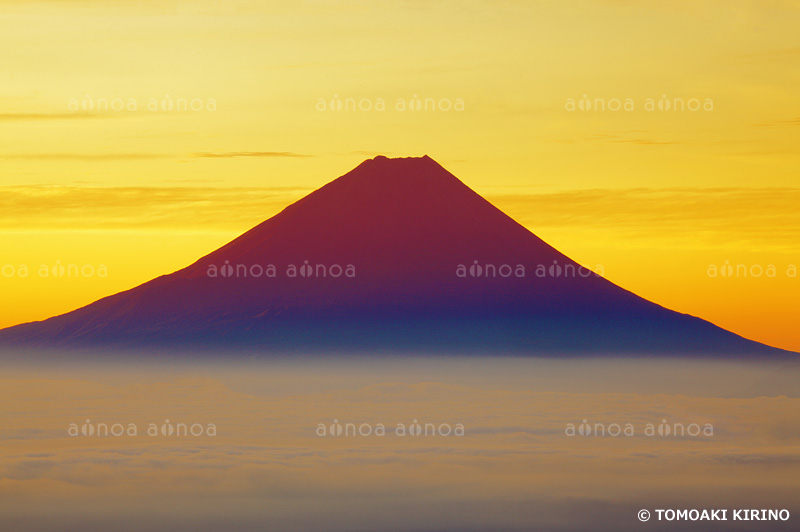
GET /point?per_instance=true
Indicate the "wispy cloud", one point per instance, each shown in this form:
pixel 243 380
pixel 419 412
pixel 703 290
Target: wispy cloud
pixel 631 137
pixel 81 207
pixel 232 154
pixel 762 217
pixel 639 137
pixel 765 217
pixel 777 54
pixel 87 157
pixel 646 142
pixel 82 156
pixel 792 122
pixel 12 117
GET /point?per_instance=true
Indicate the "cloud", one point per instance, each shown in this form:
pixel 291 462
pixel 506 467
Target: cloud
pixel 792 122
pixel 760 57
pixel 764 459
pixel 8 117
pixel 647 142
pixel 88 157
pixel 628 137
pixel 82 156
pixel 758 216
pixel 517 430
pixel 267 463
pixel 27 434
pixel 372 153
pixel 34 207
pixel 233 154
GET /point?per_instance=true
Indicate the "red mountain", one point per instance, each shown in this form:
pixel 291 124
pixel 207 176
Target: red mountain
pixel 396 255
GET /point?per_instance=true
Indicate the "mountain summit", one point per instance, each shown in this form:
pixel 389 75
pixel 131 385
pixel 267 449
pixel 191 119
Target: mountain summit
pixel 395 255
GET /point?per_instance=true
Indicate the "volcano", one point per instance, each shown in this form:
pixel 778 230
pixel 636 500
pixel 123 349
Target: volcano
pixel 397 255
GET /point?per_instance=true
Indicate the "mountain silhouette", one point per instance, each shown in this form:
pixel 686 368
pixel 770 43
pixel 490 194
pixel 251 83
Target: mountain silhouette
pixel 395 255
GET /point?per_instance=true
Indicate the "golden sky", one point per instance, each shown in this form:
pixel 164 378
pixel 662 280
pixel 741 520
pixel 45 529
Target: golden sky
pixel 141 135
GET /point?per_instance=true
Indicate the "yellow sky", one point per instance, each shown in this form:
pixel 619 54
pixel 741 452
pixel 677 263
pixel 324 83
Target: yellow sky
pixel 96 168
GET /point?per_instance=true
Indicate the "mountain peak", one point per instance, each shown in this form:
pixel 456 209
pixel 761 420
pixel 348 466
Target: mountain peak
pixel 410 180
pixel 384 158
pixel 393 165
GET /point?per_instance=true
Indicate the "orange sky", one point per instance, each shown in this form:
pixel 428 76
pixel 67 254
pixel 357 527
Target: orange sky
pixel 141 135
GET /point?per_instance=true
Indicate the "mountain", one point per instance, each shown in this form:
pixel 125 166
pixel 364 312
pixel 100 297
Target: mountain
pixel 395 255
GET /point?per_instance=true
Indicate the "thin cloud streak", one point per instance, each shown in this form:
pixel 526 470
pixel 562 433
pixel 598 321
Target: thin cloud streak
pixel 781 123
pixel 82 156
pixel 766 216
pixel 722 213
pixel 81 207
pixel 233 154
pixel 13 117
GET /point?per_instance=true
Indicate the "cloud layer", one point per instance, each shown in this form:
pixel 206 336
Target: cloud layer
pixel 516 466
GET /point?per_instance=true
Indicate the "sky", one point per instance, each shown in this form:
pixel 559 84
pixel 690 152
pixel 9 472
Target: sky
pixel 658 139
